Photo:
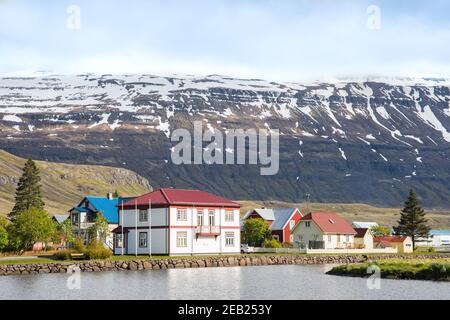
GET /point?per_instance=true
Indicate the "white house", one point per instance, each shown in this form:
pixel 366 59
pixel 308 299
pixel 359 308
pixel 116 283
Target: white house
pixel 363 238
pixel 177 222
pixel 84 214
pixel 323 230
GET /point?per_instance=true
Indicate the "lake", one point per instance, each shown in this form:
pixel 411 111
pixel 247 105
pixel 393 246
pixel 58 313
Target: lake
pixel 260 282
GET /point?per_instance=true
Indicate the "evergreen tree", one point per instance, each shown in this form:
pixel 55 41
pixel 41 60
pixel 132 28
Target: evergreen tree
pixel 412 221
pixel 28 193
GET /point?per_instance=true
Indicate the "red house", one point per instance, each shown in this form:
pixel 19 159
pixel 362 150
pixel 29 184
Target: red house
pixel 280 220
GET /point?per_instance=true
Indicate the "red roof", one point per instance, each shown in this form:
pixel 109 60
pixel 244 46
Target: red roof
pixel 389 239
pixel 361 232
pixel 330 222
pixel 181 197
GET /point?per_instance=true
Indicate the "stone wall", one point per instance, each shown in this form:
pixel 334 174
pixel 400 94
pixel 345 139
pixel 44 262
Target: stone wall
pixel 199 262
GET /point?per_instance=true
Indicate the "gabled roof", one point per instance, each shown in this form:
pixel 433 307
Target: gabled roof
pixel 330 222
pixel 361 232
pixel 82 209
pixel 60 218
pixel 360 224
pixel 181 197
pixel 107 206
pixel 390 239
pixel 279 216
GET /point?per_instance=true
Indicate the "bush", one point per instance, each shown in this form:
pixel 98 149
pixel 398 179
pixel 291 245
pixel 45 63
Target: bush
pixel 78 245
pixel 272 244
pixel 97 251
pixel 63 255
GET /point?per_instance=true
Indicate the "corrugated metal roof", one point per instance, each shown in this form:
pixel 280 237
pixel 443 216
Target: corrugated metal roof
pixel 279 216
pixel 390 239
pixel 440 232
pixel 60 218
pixel 330 222
pixel 107 206
pixel 367 225
pixel 182 197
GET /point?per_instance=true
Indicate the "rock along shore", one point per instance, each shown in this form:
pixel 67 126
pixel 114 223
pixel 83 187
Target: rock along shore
pixel 199 262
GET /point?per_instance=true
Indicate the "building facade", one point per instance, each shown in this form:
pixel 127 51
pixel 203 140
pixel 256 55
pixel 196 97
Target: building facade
pixel 177 222
pixel 323 230
pixel 84 214
pixel 281 221
pixel 363 238
pixel 401 243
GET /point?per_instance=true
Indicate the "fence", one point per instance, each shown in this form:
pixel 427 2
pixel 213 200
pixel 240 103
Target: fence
pixel 279 250
pixel 324 251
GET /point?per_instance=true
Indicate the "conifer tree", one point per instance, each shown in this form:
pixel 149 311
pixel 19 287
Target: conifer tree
pixel 412 221
pixel 28 192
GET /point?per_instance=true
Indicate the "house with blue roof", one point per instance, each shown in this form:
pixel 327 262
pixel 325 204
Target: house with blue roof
pixel 84 214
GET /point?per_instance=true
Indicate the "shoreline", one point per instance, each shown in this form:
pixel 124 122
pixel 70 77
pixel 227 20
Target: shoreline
pixel 200 262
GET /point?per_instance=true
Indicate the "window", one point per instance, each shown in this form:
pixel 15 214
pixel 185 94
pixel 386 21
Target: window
pixel 291 238
pixel 347 238
pixel 276 237
pixel 182 214
pixel 142 239
pixel 307 224
pixel 143 215
pixel 291 224
pixel 182 239
pixel 119 241
pixel 329 238
pixel 229 215
pixel 75 217
pixel 211 218
pixel 229 239
pixel 200 218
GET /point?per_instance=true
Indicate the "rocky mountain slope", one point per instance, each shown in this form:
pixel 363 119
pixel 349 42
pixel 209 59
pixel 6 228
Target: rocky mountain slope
pixel 341 141
pixel 64 185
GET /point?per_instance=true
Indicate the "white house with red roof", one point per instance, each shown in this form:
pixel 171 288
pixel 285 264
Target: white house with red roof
pixel 323 230
pixel 280 220
pixel 177 222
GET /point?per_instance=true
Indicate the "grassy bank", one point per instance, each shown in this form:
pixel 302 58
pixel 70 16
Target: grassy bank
pixel 414 269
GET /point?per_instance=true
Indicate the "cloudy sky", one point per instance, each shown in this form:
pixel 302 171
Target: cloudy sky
pixel 272 39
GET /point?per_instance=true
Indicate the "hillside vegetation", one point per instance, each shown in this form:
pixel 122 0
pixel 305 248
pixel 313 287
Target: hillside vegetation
pixel 64 185
pixel 439 219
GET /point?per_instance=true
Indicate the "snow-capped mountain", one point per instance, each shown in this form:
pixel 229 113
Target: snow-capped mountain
pixel 341 141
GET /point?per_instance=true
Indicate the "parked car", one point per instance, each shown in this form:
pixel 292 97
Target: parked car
pixel 245 248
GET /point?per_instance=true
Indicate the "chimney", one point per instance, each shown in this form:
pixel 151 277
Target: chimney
pixel 109 195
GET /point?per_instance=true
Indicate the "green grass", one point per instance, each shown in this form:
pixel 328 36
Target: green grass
pixel 419 269
pixel 16 261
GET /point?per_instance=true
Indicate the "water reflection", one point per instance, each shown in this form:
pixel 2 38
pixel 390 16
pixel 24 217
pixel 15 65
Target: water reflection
pixel 260 283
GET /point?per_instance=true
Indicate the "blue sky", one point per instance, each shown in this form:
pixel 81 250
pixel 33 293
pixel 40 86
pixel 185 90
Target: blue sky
pixel 277 40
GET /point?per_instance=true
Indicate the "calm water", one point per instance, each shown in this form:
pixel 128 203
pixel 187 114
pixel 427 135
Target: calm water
pixel 265 282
